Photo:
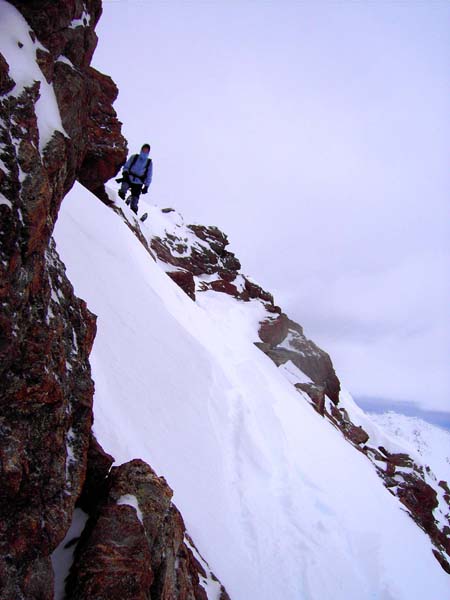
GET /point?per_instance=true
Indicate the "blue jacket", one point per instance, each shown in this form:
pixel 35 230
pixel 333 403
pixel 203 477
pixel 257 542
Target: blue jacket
pixel 139 168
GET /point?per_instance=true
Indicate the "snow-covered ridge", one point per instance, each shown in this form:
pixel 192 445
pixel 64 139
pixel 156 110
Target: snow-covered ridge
pixel 272 493
pixel 404 472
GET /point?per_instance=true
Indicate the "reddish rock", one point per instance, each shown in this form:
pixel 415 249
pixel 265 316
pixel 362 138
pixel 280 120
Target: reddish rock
pixel 136 555
pixel 444 486
pixel 352 432
pixel 316 393
pixel 106 149
pixel 198 259
pixel 46 64
pixel 255 291
pixel 115 561
pixel 50 22
pixel 273 308
pixel 273 331
pixel 185 280
pixel 84 95
pixel 227 275
pixel 6 83
pixel 398 459
pixel 390 469
pixel 356 434
pixel 219 285
pixel 46 333
pixel 442 560
pixel 420 499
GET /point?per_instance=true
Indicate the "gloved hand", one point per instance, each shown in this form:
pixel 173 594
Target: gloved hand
pixel 145 189
pixel 126 176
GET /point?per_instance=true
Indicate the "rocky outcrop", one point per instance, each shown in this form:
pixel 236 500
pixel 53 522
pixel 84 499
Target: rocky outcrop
pixel 135 544
pixel 46 333
pixel 207 255
pixel 285 341
pixel 197 259
pixel 66 29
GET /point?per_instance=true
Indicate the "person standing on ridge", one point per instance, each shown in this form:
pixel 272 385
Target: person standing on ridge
pixel 137 175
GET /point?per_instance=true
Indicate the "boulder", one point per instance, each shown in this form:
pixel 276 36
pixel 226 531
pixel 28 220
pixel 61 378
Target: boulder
pixel 135 546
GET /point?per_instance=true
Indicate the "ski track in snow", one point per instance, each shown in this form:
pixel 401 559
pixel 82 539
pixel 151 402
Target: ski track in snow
pixel 280 505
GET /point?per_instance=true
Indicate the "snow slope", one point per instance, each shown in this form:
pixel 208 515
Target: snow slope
pixel 274 498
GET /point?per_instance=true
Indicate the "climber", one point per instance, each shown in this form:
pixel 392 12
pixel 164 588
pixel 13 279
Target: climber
pixel 137 176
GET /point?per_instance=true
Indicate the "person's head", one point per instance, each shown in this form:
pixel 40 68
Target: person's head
pixel 146 149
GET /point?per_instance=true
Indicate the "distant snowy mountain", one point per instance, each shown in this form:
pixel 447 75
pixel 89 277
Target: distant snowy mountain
pixel 432 443
pixel 277 500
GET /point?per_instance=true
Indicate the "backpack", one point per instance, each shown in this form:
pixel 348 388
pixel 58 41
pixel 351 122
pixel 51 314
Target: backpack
pixel 142 177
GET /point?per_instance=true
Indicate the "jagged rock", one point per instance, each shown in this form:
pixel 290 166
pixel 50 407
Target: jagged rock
pixel 185 280
pixel 305 355
pixel 253 290
pixel 6 83
pixel 45 339
pixel 444 486
pixel 84 95
pixel 106 149
pixel 398 459
pixel 355 434
pixel 35 577
pixel 46 333
pixel 420 499
pixel 46 416
pixel 224 286
pixel 134 546
pixel 115 561
pixel 442 560
pixel 50 21
pixel 206 254
pixel 208 258
pixel 390 469
pixel 316 393
pixel 273 331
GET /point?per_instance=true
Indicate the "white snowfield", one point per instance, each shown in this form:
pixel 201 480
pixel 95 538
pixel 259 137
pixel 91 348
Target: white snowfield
pixel 277 502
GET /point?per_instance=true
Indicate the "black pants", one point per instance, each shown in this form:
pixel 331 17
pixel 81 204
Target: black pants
pixel 136 189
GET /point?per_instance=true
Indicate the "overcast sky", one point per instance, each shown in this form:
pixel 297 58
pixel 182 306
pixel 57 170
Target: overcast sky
pixel 315 134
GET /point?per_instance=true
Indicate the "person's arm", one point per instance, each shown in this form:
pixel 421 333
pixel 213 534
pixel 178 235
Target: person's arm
pixel 148 179
pixel 127 165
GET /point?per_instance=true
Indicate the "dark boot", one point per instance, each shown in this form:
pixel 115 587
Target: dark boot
pixel 134 204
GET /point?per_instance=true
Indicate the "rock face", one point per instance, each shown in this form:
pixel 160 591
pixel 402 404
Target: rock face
pixel 197 260
pixel 135 544
pixel 46 335
pixel 66 28
pixel 49 460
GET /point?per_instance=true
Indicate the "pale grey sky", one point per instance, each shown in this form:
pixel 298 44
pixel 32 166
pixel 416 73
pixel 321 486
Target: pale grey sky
pixel 315 134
